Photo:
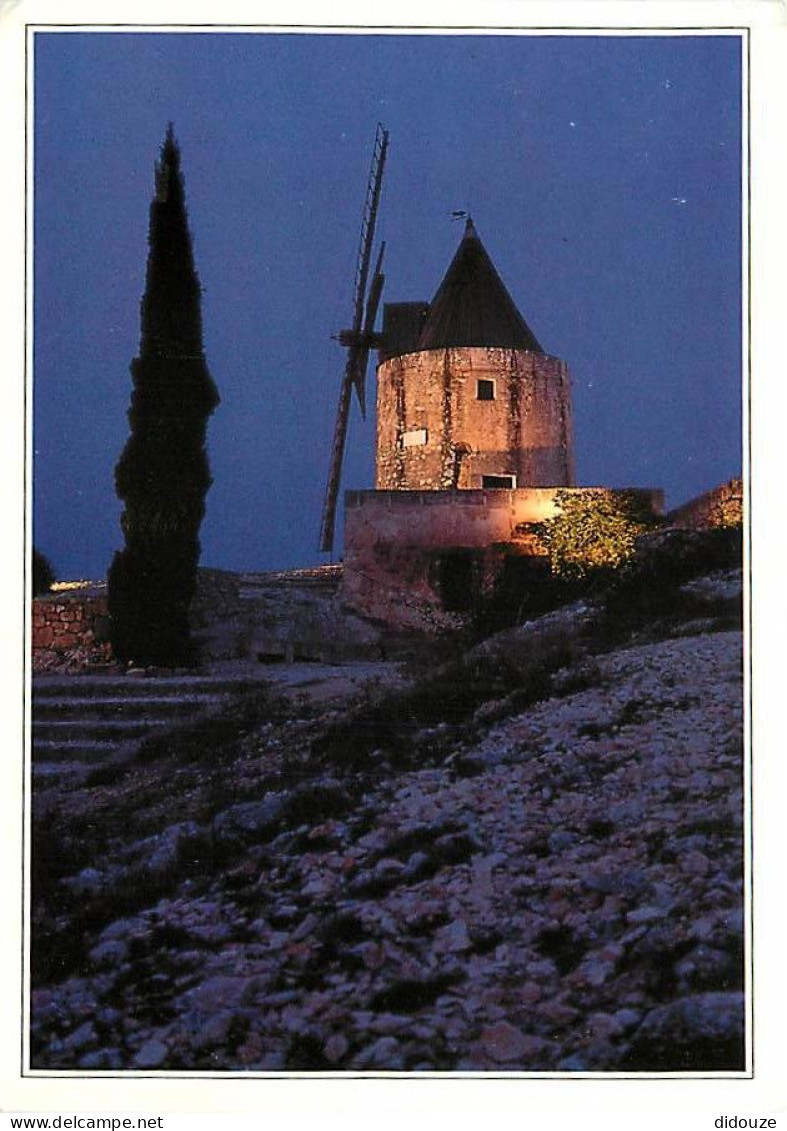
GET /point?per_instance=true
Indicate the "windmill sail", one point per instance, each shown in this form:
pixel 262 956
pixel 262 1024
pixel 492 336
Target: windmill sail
pixel 367 334
pixel 360 338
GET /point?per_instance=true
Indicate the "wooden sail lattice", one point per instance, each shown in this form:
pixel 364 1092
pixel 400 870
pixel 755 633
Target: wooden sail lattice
pixel 360 338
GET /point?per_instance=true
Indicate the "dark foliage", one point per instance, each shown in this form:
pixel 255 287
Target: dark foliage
pixel 644 588
pixel 524 588
pixel 425 721
pixel 648 590
pixel 672 557
pixel 163 474
pixel 43 574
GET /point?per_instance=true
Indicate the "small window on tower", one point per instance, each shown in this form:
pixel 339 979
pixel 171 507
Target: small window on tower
pixel 485 390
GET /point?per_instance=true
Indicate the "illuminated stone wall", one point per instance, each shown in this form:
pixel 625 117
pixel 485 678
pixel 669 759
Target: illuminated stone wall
pixel 722 506
pixel 435 432
pixel 398 544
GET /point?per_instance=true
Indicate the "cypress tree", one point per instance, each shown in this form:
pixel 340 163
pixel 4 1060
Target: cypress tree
pixel 163 476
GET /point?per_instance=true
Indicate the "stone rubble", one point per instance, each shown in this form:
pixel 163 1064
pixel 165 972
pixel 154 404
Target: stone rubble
pixel 565 896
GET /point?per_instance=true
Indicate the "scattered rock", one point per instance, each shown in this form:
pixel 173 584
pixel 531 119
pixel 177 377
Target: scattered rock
pixel 153 1054
pixel 573 903
pixel 382 1053
pixel 647 914
pixel 699 1033
pixel 81 1038
pixel 111 952
pixel 88 881
pixel 251 822
pixel 336 1047
pixel 219 992
pixel 452 938
pixel 504 1043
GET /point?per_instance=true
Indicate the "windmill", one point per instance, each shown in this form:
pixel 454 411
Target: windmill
pixel 360 339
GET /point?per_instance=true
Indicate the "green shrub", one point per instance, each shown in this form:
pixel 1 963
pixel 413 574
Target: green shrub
pixel 727 510
pixel 594 530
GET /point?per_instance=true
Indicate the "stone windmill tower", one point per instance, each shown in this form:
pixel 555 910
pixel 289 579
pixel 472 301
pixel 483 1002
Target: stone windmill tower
pixel 474 443
pixel 466 396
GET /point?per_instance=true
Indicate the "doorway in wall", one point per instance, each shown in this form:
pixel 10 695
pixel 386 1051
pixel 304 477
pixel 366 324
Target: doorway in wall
pixel 456 581
pixel 498 482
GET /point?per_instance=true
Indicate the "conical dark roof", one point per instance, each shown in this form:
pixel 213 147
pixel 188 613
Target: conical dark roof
pixel 472 306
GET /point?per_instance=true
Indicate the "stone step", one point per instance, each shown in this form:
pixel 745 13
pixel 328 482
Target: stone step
pixel 50 750
pixel 122 706
pixel 50 771
pixel 106 687
pixel 74 730
pixel 80 720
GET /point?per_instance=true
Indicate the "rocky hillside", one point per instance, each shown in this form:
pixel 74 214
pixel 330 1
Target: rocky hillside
pixel 527 859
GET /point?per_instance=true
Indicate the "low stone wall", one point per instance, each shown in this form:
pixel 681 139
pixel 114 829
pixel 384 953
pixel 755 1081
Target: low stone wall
pixel 441 518
pixel 409 556
pixel 73 625
pixel 722 506
pixel 216 597
pixel 283 616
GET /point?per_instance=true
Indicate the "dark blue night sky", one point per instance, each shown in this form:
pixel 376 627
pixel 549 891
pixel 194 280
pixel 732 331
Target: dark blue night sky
pixel 603 174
